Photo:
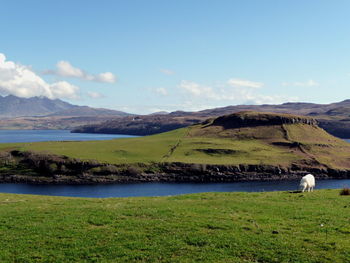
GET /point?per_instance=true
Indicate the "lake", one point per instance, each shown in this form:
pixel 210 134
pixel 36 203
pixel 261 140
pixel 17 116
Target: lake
pixel 161 189
pixel 53 135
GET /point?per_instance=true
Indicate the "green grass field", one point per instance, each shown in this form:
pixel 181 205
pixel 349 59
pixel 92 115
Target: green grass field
pixel 156 148
pixel 209 227
pixel 129 150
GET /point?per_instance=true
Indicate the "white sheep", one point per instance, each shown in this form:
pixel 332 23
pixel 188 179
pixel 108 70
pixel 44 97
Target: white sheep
pixel 307 182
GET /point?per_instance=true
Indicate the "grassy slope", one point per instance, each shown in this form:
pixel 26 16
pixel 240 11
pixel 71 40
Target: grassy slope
pixel 322 146
pixel 212 227
pixel 248 145
pixel 129 150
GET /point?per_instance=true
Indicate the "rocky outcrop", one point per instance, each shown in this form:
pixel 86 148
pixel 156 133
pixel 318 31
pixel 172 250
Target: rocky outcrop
pixel 251 119
pixel 27 167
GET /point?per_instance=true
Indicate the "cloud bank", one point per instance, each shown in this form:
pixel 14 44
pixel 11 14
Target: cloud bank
pixel 235 91
pixel 308 83
pixel 244 83
pixel 21 81
pixel 95 95
pixel 167 71
pixel 66 69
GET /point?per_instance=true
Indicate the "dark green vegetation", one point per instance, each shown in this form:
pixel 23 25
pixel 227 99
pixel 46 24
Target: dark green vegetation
pixel 212 227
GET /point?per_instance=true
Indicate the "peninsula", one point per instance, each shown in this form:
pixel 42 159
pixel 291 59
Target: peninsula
pixel 236 147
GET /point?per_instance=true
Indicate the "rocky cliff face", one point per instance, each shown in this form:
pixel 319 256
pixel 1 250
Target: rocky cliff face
pixel 249 119
pixel 27 167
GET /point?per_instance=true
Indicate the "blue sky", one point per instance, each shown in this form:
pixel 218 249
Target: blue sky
pixel 176 55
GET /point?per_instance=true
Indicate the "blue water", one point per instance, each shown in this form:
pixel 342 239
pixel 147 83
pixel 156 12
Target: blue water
pixel 161 189
pixel 7 136
pixel 52 135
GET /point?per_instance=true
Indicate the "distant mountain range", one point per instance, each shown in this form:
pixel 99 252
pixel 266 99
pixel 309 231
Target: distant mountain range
pixel 340 109
pixel 12 107
pixel 44 113
pixel 334 117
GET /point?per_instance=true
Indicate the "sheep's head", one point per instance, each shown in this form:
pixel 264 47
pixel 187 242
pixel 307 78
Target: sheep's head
pixel 302 185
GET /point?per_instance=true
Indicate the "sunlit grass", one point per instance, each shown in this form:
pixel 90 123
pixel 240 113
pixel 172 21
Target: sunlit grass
pixel 207 145
pixel 212 227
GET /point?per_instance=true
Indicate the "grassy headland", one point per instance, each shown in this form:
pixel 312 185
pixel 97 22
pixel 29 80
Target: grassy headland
pixel 209 227
pixel 246 138
pixel 211 144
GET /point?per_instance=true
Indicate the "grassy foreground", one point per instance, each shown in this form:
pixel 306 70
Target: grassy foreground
pixel 210 227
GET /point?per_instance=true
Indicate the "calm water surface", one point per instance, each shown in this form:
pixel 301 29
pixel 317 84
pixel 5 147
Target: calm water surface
pixel 53 135
pixel 161 189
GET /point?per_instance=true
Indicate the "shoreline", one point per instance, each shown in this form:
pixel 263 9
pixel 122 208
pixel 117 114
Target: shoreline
pixel 162 189
pixel 39 168
pixel 159 178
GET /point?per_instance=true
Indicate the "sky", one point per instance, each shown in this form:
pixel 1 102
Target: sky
pixel 144 56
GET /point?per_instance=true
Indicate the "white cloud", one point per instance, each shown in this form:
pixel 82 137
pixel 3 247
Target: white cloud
pixel 21 81
pixel 161 91
pixel 308 83
pixel 244 83
pixel 244 93
pixel 95 95
pixel 65 69
pixel 197 90
pixel 106 77
pixel 167 71
pixel 148 109
pixel 63 89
